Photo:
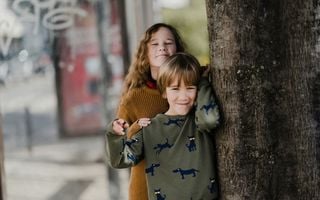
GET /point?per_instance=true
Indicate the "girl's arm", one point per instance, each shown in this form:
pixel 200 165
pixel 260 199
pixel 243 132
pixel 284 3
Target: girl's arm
pixel 207 110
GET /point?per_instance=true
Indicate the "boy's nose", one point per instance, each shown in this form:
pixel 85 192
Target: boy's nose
pixel 183 95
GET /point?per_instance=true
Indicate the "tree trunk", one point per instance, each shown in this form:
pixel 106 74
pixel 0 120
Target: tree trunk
pixel 266 73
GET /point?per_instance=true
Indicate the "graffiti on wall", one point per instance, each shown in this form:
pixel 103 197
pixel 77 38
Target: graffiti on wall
pixel 54 15
pixel 6 38
pixel 59 13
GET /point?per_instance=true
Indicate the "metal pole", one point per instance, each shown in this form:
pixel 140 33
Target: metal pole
pixel 2 172
pixel 29 129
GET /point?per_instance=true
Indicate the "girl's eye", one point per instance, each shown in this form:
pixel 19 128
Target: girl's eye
pixel 154 44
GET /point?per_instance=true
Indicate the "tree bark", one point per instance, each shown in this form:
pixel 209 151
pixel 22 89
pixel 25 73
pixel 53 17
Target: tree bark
pixel 266 73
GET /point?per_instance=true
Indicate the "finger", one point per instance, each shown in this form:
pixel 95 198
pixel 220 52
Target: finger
pixel 125 125
pixel 145 118
pixel 118 130
pixel 121 121
pixel 116 122
pixel 144 123
pixel 119 126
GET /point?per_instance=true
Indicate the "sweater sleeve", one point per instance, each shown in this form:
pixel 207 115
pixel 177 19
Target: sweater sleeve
pixel 207 111
pixel 124 113
pixel 121 151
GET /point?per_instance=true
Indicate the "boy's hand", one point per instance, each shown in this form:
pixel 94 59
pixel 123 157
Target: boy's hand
pixel 119 126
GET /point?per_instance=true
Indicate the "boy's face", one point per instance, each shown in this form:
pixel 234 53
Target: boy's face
pixel 180 98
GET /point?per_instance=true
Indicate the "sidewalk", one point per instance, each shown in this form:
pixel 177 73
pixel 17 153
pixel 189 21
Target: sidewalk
pixel 69 169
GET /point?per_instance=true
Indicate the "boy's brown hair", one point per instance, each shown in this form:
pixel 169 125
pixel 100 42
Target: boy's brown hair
pixel 183 66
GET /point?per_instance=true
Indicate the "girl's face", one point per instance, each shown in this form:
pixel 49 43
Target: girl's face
pixel 160 47
pixel 181 97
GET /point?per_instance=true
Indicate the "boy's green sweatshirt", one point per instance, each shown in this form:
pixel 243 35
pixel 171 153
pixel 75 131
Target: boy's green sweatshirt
pixel 178 150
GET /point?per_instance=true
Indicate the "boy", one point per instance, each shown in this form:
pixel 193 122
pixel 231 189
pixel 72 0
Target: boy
pixel 176 143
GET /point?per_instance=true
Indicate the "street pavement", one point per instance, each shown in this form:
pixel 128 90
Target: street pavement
pixel 69 169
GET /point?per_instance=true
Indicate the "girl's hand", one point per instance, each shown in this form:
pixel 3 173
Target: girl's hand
pixel 205 71
pixel 119 126
pixel 143 122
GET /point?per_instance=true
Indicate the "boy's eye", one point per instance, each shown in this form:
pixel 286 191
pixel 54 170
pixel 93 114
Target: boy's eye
pixel 173 88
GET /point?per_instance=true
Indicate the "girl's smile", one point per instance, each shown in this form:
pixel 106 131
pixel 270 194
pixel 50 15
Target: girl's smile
pixel 161 46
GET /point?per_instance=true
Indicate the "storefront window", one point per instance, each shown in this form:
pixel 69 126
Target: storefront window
pixel 58 67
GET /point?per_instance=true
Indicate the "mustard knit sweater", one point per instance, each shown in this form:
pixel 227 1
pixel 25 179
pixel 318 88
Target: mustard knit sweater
pixel 136 104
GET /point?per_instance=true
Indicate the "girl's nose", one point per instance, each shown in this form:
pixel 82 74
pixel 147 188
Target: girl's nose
pixel 162 48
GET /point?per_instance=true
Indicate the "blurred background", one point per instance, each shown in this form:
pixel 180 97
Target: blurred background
pixel 62 63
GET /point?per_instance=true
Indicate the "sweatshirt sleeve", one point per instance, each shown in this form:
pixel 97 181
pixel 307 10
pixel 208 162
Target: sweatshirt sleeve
pixel 121 151
pixel 207 111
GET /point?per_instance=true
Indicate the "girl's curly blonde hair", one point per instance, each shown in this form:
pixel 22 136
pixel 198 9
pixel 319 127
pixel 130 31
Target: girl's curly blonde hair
pixel 139 71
